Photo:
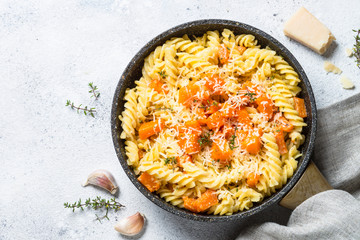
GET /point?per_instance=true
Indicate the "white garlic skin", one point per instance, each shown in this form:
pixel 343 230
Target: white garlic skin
pixel 132 225
pixel 102 178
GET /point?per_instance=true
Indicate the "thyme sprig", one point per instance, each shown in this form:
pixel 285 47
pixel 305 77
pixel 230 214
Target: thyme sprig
pixel 356 50
pixel 94 91
pixel 85 109
pixel 95 204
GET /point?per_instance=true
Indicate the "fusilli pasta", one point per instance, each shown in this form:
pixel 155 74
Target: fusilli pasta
pixel 213 121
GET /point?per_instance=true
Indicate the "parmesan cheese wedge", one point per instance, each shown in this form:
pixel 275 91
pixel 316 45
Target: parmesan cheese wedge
pixel 309 31
pixel 329 67
pixel 346 82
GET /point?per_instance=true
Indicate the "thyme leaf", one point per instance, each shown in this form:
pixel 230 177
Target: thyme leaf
pixel 251 96
pixel 171 160
pixel 94 91
pixel 356 50
pixel 204 139
pixel 232 142
pixel 85 109
pixel 162 74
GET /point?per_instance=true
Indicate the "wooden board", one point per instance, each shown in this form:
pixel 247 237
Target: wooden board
pixel 310 183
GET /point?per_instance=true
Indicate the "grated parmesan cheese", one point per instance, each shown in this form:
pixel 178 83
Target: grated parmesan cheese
pixel 329 67
pixel 346 82
pixel 349 52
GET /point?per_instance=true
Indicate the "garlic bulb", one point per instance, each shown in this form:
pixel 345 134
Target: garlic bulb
pixel 102 178
pixel 132 225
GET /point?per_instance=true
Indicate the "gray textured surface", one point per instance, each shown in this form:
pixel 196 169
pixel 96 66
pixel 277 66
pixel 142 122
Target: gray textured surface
pixel 50 51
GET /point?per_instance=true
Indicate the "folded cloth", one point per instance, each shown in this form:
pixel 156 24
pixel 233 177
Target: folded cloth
pixel 337 145
pixel 334 214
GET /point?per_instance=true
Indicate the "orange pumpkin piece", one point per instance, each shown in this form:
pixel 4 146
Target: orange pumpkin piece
pixel 184 159
pixel 285 125
pixel 189 143
pixel 203 94
pixel 204 202
pixel 228 130
pixel 148 129
pixel 158 86
pixel 243 117
pixel 252 179
pixel 214 107
pixel 189 137
pixel 265 106
pixel 150 182
pixel 224 54
pixel 193 127
pixel 280 141
pixel 241 49
pixel 187 93
pixel 200 116
pixel 215 120
pixel 220 150
pixel 215 84
pixel 252 143
pixel 190 204
pixel 228 110
pixel 241 134
pixel 192 92
pixel 207 199
pixel 300 107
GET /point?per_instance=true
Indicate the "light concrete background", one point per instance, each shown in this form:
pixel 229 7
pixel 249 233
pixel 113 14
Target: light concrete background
pixel 50 50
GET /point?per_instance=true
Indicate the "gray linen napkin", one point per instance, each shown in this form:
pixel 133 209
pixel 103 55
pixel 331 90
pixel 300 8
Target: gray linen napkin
pixel 334 214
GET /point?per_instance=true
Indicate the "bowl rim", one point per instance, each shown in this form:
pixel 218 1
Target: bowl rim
pixel 275 197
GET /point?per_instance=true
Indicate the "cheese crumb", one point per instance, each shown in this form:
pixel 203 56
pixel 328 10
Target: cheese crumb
pixel 346 82
pixel 329 67
pixel 309 31
pixel 349 52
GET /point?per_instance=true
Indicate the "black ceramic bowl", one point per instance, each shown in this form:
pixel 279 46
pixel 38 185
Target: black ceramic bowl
pixel 198 28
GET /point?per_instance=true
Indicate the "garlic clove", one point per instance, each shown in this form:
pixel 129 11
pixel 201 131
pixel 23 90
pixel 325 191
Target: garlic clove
pixel 102 178
pixel 132 225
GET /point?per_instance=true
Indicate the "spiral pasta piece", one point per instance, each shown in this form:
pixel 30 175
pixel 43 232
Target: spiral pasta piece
pixel 171 65
pixel 129 115
pixel 270 167
pixel 246 40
